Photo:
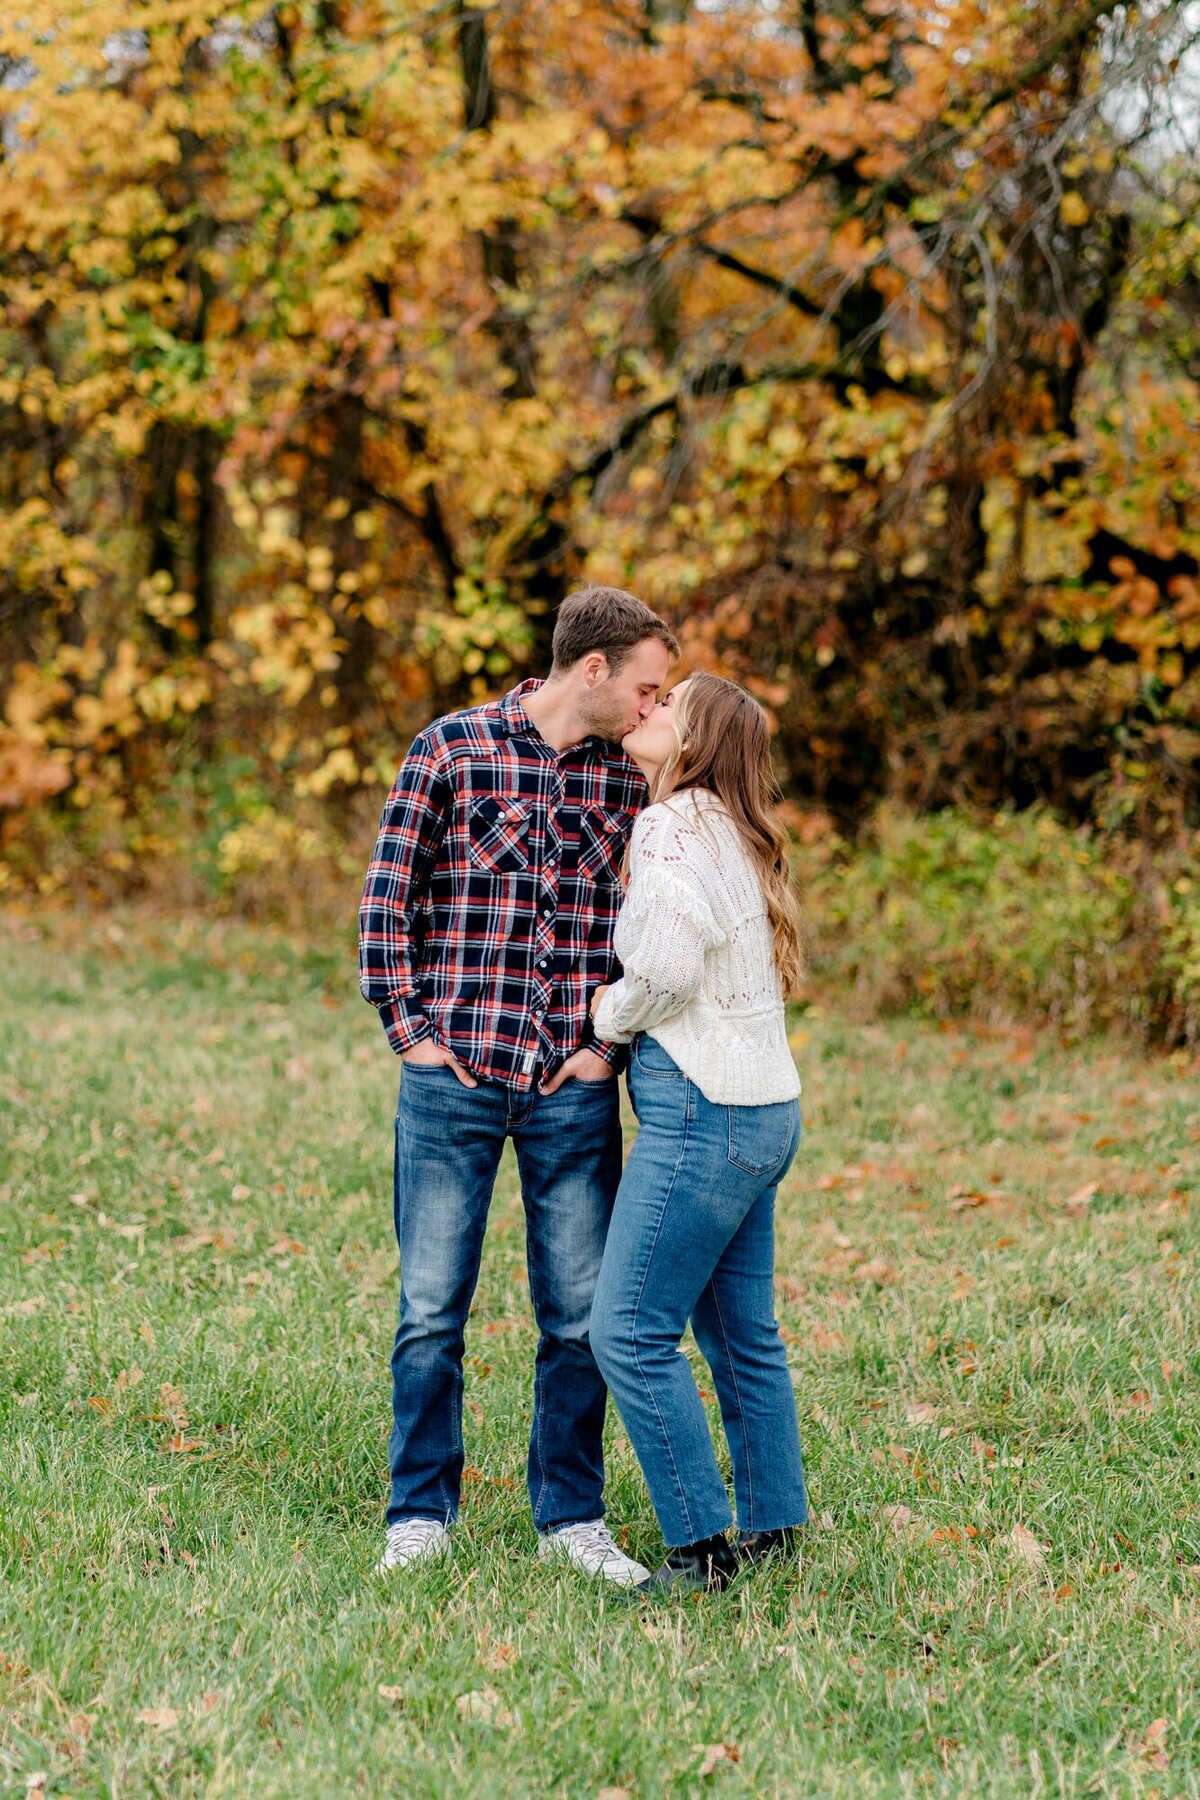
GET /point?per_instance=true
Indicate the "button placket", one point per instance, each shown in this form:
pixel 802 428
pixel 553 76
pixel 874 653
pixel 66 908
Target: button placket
pixel 545 933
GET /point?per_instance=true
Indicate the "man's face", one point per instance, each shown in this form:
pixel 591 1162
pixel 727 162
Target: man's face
pixel 619 702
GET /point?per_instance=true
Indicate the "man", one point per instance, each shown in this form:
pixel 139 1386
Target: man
pixel 486 923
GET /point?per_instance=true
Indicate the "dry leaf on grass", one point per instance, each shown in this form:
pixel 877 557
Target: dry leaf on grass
pixel 1082 1196
pixel 1027 1547
pixel 963 1199
pixel 163 1718
pixel 483 1704
pixel 1152 1744
pixel 902 1518
pixel 390 1693
pixel 921 1412
pixel 876 1270
pixel 952 1534
pixel 712 1754
pixel 286 1246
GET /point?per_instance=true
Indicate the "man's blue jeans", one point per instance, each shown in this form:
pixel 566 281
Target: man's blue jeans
pixel 693 1236
pixel 449 1139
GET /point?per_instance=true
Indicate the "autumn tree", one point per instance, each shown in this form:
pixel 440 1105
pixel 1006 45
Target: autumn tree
pixel 339 339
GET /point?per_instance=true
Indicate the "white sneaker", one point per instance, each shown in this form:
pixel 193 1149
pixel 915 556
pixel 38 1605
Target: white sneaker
pixel 413 1540
pixel 590 1548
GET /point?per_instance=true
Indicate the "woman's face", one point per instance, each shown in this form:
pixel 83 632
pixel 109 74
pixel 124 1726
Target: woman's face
pixel 653 741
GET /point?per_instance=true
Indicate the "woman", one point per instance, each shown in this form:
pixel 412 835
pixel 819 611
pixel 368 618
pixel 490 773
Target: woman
pixel 709 944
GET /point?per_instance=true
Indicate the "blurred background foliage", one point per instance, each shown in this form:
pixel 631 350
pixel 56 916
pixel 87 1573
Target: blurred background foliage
pixel 340 338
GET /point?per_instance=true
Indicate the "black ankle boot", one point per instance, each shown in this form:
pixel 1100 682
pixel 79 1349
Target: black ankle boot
pixel 709 1563
pixel 756 1546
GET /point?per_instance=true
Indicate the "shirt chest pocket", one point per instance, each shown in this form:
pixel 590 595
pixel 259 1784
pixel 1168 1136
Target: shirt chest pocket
pixel 603 835
pixel 498 834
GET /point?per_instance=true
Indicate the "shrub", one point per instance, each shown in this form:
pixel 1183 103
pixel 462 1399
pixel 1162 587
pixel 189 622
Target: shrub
pixel 1017 917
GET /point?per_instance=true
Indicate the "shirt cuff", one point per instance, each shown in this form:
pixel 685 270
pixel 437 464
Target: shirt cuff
pixel 404 1023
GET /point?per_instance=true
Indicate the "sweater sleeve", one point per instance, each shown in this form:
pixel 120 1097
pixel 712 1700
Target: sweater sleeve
pixel 666 930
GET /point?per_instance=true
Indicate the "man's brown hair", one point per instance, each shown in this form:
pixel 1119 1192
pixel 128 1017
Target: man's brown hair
pixel 609 620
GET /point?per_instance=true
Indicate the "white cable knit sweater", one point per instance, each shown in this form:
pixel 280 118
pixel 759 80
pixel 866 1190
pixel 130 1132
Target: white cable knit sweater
pixel 695 943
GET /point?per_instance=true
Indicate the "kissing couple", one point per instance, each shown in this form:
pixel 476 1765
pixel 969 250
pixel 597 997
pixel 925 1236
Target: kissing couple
pixel 573 877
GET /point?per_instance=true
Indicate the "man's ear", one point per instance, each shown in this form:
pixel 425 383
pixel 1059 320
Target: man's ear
pixel 595 668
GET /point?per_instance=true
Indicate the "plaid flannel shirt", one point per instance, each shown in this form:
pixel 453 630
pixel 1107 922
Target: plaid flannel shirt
pixel 491 898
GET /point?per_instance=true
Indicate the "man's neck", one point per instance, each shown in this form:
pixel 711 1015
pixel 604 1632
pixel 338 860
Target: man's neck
pixel 553 711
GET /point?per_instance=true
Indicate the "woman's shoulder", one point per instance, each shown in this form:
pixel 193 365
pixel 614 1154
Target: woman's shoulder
pixel 683 828
pixel 689 808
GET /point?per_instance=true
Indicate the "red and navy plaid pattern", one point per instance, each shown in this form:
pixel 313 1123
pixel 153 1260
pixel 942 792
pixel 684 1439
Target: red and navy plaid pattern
pixel 490 901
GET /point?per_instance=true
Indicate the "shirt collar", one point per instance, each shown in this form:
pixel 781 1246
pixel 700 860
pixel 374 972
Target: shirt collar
pixel 514 720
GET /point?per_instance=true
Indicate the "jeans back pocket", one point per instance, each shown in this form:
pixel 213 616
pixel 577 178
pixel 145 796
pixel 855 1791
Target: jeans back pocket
pixel 763 1138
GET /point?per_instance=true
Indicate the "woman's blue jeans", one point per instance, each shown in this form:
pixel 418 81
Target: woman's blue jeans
pixel 693 1236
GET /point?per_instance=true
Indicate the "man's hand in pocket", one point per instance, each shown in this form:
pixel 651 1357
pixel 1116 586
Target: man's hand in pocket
pixel 428 1055
pixel 585 1065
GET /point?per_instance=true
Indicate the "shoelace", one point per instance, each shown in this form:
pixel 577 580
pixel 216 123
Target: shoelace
pixel 597 1536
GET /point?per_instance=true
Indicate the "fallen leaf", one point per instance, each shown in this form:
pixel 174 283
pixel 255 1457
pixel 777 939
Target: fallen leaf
pixel 390 1693
pixel 921 1412
pixel 1082 1196
pixel 712 1754
pixel 178 1445
pixel 485 1705
pixel 1141 1401
pixel 163 1718
pixel 498 1656
pixel 286 1246
pixel 901 1518
pixel 953 1534
pixel 172 1406
pixel 1152 1744
pixel 1027 1546
pixel 963 1199
pixel 240 1192
pixel 145 1331
pixel 1171 1370
pixel 35 1784
pixel 876 1270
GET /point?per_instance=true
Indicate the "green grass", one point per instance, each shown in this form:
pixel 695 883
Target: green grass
pixel 998 1400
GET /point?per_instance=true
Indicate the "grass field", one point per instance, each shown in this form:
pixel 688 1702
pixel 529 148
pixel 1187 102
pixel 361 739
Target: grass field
pixel 988 1286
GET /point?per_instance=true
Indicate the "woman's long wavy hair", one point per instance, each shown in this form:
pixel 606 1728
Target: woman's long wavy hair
pixel 723 743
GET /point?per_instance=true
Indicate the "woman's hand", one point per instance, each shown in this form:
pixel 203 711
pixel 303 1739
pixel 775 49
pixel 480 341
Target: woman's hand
pixel 597 997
